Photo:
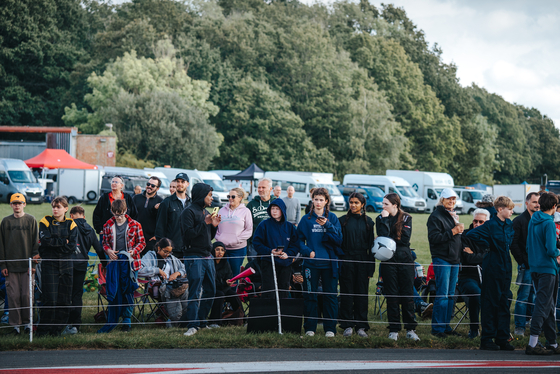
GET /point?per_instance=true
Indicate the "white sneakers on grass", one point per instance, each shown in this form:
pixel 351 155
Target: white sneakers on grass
pixel 393 336
pixel 362 333
pixel 347 332
pixel 329 334
pixel 191 331
pixel 310 333
pixel 411 334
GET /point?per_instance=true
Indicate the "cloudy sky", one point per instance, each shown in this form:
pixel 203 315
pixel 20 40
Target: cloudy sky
pixel 510 47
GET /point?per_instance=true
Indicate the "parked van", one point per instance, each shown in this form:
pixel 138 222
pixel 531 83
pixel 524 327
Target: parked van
pixel 469 197
pixel 410 201
pixel 220 192
pixel 217 184
pixel 303 182
pixel 245 184
pixel 16 177
pixel 428 185
pixel 373 195
pixel 144 173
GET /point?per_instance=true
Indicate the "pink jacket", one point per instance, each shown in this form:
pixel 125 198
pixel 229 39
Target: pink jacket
pixel 236 227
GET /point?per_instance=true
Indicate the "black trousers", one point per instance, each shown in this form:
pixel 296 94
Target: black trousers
pixel 398 284
pixel 353 310
pixel 283 274
pixel 75 315
pixel 218 305
pixel 56 284
pixel 495 302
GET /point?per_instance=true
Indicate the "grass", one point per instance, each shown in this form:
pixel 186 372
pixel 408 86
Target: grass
pixel 151 336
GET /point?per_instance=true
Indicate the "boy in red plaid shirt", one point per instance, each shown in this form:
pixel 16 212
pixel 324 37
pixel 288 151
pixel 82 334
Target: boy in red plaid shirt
pixel 123 239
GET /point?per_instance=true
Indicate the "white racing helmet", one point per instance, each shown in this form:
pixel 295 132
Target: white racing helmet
pixel 384 248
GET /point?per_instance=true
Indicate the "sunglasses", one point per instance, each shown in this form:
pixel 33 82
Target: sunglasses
pixel 231 196
pixel 151 185
pixel 478 221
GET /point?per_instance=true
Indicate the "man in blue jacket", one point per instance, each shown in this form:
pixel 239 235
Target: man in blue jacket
pixel 277 236
pixel 544 259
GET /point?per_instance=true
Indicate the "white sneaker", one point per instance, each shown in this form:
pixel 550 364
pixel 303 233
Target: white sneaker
pixel 362 333
pixel 191 331
pixel 69 330
pixel 329 334
pixel 310 333
pixel 519 331
pixel 347 332
pixel 411 334
pixel 393 336
pixel 213 326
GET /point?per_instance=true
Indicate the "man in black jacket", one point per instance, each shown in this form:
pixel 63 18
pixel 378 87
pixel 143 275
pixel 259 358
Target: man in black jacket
pixel 198 228
pixel 86 240
pixel 147 213
pixel 169 215
pixel 519 251
pixel 470 276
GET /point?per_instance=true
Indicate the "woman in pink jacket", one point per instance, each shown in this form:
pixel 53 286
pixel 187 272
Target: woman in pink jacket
pixel 235 228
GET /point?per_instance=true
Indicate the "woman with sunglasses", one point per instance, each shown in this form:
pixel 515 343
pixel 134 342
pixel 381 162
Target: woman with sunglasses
pixel 235 228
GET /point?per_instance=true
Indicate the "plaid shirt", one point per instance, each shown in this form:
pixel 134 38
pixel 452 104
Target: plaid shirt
pixel 135 239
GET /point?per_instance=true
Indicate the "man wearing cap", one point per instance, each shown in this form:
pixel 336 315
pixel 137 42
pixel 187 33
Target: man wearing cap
pixel 19 240
pixel 147 212
pixel 444 237
pixel 169 215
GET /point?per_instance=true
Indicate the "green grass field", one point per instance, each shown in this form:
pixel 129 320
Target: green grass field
pixel 151 336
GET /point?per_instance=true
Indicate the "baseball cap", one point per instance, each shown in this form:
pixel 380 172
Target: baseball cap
pixel 182 176
pixel 447 193
pixel 17 197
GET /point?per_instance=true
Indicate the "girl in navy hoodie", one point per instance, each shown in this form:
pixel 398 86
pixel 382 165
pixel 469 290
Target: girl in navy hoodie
pixel 279 237
pixel 320 238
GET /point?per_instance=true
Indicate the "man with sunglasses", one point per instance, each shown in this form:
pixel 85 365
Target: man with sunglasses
pixel 147 213
pixel 470 275
pixel 19 240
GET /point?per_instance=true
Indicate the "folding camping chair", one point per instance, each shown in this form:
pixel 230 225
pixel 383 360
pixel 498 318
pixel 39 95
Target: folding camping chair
pixel 379 299
pixel 149 301
pixel 460 308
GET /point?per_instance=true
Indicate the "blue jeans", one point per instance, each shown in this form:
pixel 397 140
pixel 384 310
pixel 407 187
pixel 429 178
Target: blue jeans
pixel 201 273
pixel 520 310
pixel 417 299
pixel 446 282
pixel 330 302
pixel 470 286
pixel 237 260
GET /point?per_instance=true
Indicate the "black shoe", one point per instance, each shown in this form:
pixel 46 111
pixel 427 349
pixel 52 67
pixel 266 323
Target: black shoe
pixel 538 350
pixel 440 335
pixel 489 346
pixel 125 328
pixel 505 346
pixel 453 333
pixel 14 332
pixel 555 351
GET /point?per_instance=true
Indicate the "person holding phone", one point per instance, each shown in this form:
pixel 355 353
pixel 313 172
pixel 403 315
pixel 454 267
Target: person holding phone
pixel 279 237
pixel 320 238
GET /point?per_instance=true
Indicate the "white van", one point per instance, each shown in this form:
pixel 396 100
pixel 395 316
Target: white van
pixel 469 197
pixel 146 172
pixel 217 185
pixel 303 182
pixel 16 177
pixel 245 184
pixel 220 191
pixel 428 185
pixel 410 201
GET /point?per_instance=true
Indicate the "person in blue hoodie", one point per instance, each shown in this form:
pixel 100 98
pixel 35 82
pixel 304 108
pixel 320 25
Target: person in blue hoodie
pixel 320 238
pixel 279 237
pixel 495 297
pixel 544 258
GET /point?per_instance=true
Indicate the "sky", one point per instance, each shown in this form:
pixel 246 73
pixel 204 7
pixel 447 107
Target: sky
pixel 509 47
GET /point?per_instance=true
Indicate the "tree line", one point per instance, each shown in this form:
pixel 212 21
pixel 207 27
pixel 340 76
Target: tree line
pixel 347 88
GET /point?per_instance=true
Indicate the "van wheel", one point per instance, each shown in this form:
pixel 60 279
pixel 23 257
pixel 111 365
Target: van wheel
pixel 471 210
pixel 72 200
pixel 91 195
pixel 370 209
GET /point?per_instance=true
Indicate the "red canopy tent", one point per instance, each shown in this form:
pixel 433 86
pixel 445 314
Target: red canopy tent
pixel 57 159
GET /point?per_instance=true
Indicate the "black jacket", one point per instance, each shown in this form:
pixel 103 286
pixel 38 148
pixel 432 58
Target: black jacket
pixel 102 212
pixel 197 235
pixel 443 244
pixel 86 239
pixel 519 245
pixel 169 222
pixel 147 214
pixel 471 260
pixel 223 273
pixel 57 239
pixel 357 239
pixel 386 227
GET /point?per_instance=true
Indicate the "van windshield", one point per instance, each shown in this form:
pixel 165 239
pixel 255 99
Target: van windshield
pixel 22 176
pixel 375 192
pixel 333 191
pixel 407 191
pixel 216 184
pixel 164 183
pixel 476 195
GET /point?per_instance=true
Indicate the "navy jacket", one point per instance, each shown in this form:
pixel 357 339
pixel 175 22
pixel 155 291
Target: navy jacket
pixel 271 233
pixel 496 235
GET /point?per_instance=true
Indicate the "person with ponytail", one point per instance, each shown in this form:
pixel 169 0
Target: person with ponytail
pixel 159 265
pixel 398 272
pixel 320 238
pixel 357 240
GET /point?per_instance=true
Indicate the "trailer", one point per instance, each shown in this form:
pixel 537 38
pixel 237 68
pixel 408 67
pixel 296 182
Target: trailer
pixel 78 185
pixel 516 192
